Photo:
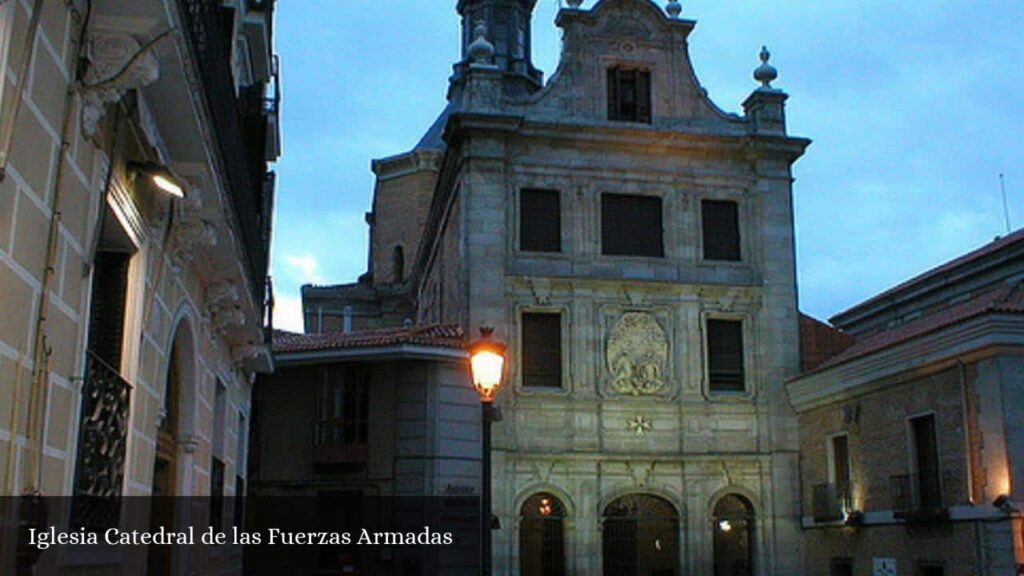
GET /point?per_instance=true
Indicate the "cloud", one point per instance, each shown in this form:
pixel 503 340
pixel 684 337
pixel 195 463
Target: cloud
pixel 288 314
pixel 306 266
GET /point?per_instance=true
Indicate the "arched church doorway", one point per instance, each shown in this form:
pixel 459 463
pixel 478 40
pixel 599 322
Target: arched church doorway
pixel 542 536
pixel 733 525
pixel 164 507
pixel 641 537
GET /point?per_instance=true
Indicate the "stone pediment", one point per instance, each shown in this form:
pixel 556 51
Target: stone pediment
pixel 634 19
pixel 630 34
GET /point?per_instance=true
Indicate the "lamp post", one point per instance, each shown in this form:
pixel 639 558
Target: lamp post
pixel 487 362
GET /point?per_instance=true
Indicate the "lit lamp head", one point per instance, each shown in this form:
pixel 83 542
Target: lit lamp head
pixel 487 361
pixel 158 176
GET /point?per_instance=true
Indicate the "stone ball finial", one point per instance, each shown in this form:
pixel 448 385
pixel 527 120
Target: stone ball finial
pixel 481 51
pixel 674 8
pixel 765 73
pixel 575 4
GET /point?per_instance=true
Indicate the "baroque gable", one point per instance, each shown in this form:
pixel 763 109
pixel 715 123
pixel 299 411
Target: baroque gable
pixel 631 34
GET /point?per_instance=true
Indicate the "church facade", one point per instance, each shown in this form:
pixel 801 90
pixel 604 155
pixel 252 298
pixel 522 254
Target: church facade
pixel 634 246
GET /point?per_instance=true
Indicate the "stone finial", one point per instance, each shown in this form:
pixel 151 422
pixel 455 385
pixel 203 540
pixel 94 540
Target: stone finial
pixel 481 51
pixel 765 73
pixel 575 4
pixel 674 8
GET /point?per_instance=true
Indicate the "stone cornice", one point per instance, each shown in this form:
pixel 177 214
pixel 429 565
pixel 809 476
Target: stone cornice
pixel 404 164
pixel 604 136
pixel 977 338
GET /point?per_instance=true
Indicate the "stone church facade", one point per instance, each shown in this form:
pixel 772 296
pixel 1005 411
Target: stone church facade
pixel 633 244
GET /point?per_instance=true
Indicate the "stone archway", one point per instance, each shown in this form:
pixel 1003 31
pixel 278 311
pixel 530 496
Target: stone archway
pixel 641 536
pixel 733 524
pixel 542 536
pixel 172 461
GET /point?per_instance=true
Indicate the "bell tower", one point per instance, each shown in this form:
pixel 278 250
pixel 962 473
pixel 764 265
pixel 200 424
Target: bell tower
pixel 508 24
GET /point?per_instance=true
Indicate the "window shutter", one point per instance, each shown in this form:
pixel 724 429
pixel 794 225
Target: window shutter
pixel 542 350
pixel 107 313
pixel 540 221
pixel 643 97
pixel 725 355
pixel 721 230
pixel 631 226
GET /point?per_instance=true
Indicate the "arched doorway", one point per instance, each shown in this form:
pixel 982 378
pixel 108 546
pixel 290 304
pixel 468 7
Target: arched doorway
pixel 542 536
pixel 733 524
pixel 641 537
pixel 166 467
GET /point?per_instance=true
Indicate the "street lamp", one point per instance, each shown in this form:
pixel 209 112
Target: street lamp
pixel 487 362
pixel 158 176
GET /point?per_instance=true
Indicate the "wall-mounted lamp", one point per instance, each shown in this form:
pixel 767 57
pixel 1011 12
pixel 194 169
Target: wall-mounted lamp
pixel 158 176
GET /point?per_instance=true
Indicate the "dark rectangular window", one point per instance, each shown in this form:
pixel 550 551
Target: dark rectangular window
pixel 931 569
pixel 107 313
pixel 629 95
pixel 631 226
pixel 721 225
pixel 926 454
pixel 725 355
pixel 842 567
pixel 542 350
pixel 540 221
pixel 343 407
pixel 217 494
pixel 841 460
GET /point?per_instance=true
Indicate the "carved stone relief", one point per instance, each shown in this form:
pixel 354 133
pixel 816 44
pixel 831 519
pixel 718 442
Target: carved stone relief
pixel 638 355
pixel 112 73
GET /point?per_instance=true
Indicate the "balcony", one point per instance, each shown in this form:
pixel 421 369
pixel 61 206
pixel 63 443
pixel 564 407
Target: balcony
pixel 921 499
pixel 832 502
pixel 99 472
pixel 239 128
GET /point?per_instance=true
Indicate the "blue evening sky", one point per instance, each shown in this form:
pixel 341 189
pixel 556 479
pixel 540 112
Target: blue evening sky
pixel 915 108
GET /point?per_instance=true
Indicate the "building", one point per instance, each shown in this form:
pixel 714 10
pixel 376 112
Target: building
pixel 355 416
pixel 909 438
pixel 633 244
pixel 135 216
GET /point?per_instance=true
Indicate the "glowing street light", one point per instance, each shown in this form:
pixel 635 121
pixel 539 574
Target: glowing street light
pixel 159 176
pixel 487 363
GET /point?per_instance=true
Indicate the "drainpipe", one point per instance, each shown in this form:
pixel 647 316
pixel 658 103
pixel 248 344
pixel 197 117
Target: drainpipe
pixel 7 126
pixel 40 349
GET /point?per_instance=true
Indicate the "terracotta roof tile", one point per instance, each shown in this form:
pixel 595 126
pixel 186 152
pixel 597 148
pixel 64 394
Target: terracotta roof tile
pixel 1007 299
pixel 820 342
pixel 433 335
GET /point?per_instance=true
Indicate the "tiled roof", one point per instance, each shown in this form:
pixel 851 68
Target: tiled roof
pixel 820 342
pixel 434 336
pixel 987 249
pixel 1007 299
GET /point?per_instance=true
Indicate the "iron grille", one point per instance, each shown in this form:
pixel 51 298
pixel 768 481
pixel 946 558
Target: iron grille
pixel 208 28
pixel 831 502
pixel 913 494
pixel 103 431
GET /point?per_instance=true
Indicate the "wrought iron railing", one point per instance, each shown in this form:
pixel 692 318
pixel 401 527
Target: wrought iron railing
pixel 103 431
pixel 832 502
pixel 208 28
pixel 914 495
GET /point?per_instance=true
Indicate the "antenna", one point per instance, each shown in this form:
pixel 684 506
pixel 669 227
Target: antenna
pixel 1006 206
